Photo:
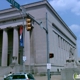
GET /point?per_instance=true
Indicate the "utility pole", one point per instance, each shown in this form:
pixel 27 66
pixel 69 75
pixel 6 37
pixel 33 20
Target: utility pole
pixel 47 40
pixel 16 5
pixel 24 58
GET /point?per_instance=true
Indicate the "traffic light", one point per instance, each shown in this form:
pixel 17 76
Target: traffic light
pixel 29 24
pixel 51 55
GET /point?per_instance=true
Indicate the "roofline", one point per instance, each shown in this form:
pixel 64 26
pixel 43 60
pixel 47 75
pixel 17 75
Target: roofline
pixel 56 14
pixel 25 6
pixel 42 3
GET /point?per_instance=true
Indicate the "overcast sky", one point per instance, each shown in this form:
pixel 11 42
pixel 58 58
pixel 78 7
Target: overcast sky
pixel 69 11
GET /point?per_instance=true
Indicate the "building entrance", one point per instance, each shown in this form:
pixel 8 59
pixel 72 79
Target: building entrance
pixel 10 46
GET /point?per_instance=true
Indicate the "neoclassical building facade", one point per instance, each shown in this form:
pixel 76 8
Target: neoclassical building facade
pixel 61 38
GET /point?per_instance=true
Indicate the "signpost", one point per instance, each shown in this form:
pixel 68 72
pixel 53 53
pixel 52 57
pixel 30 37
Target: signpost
pixel 14 3
pixel 22 30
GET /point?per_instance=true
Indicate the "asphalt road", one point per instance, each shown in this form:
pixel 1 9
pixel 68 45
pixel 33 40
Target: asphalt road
pixel 53 77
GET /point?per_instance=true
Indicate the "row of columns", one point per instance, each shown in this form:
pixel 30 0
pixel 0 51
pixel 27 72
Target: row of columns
pixel 15 46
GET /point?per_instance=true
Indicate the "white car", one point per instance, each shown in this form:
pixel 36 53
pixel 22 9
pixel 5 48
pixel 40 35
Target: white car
pixel 20 76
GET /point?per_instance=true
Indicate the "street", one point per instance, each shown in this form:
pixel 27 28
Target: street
pixel 53 77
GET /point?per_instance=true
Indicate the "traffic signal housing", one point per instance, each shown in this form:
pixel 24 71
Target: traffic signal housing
pixel 29 24
pixel 51 55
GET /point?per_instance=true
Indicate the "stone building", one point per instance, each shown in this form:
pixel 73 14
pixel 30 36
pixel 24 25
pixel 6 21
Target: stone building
pixel 60 39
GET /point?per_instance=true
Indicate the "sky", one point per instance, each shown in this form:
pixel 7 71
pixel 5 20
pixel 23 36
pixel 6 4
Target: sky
pixel 69 11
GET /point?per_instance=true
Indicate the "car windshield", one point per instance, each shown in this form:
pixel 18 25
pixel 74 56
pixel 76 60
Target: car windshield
pixel 18 76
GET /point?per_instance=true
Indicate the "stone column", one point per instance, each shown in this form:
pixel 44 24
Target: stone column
pixel 15 44
pixel 27 47
pixel 4 48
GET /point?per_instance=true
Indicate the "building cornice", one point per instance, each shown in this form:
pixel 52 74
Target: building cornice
pixel 39 3
pixel 60 19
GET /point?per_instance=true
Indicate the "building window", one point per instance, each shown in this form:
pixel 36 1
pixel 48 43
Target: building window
pixel 68 47
pixel 65 45
pixel 62 43
pixel 57 70
pixel 58 40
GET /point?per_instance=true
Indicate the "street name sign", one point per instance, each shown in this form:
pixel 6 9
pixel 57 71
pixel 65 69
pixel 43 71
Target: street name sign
pixel 14 3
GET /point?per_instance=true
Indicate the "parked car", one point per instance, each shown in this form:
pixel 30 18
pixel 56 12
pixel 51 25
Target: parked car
pixel 9 77
pixel 20 76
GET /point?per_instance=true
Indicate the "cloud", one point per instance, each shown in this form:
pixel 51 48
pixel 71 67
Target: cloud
pixel 75 28
pixel 76 8
pixel 78 47
pixel 63 5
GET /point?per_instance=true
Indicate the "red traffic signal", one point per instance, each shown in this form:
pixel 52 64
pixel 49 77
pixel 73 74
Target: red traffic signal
pixel 51 55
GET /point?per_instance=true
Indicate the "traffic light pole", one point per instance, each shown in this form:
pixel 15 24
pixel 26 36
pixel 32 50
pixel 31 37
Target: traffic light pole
pixel 46 30
pixel 23 41
pixel 23 14
pixel 23 10
pixel 47 40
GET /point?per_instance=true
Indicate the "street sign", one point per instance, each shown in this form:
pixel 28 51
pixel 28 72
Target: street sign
pixel 14 3
pixel 24 58
pixel 48 65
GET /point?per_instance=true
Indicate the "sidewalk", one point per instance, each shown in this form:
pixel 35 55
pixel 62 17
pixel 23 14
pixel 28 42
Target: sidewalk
pixel 53 77
pixel 1 78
